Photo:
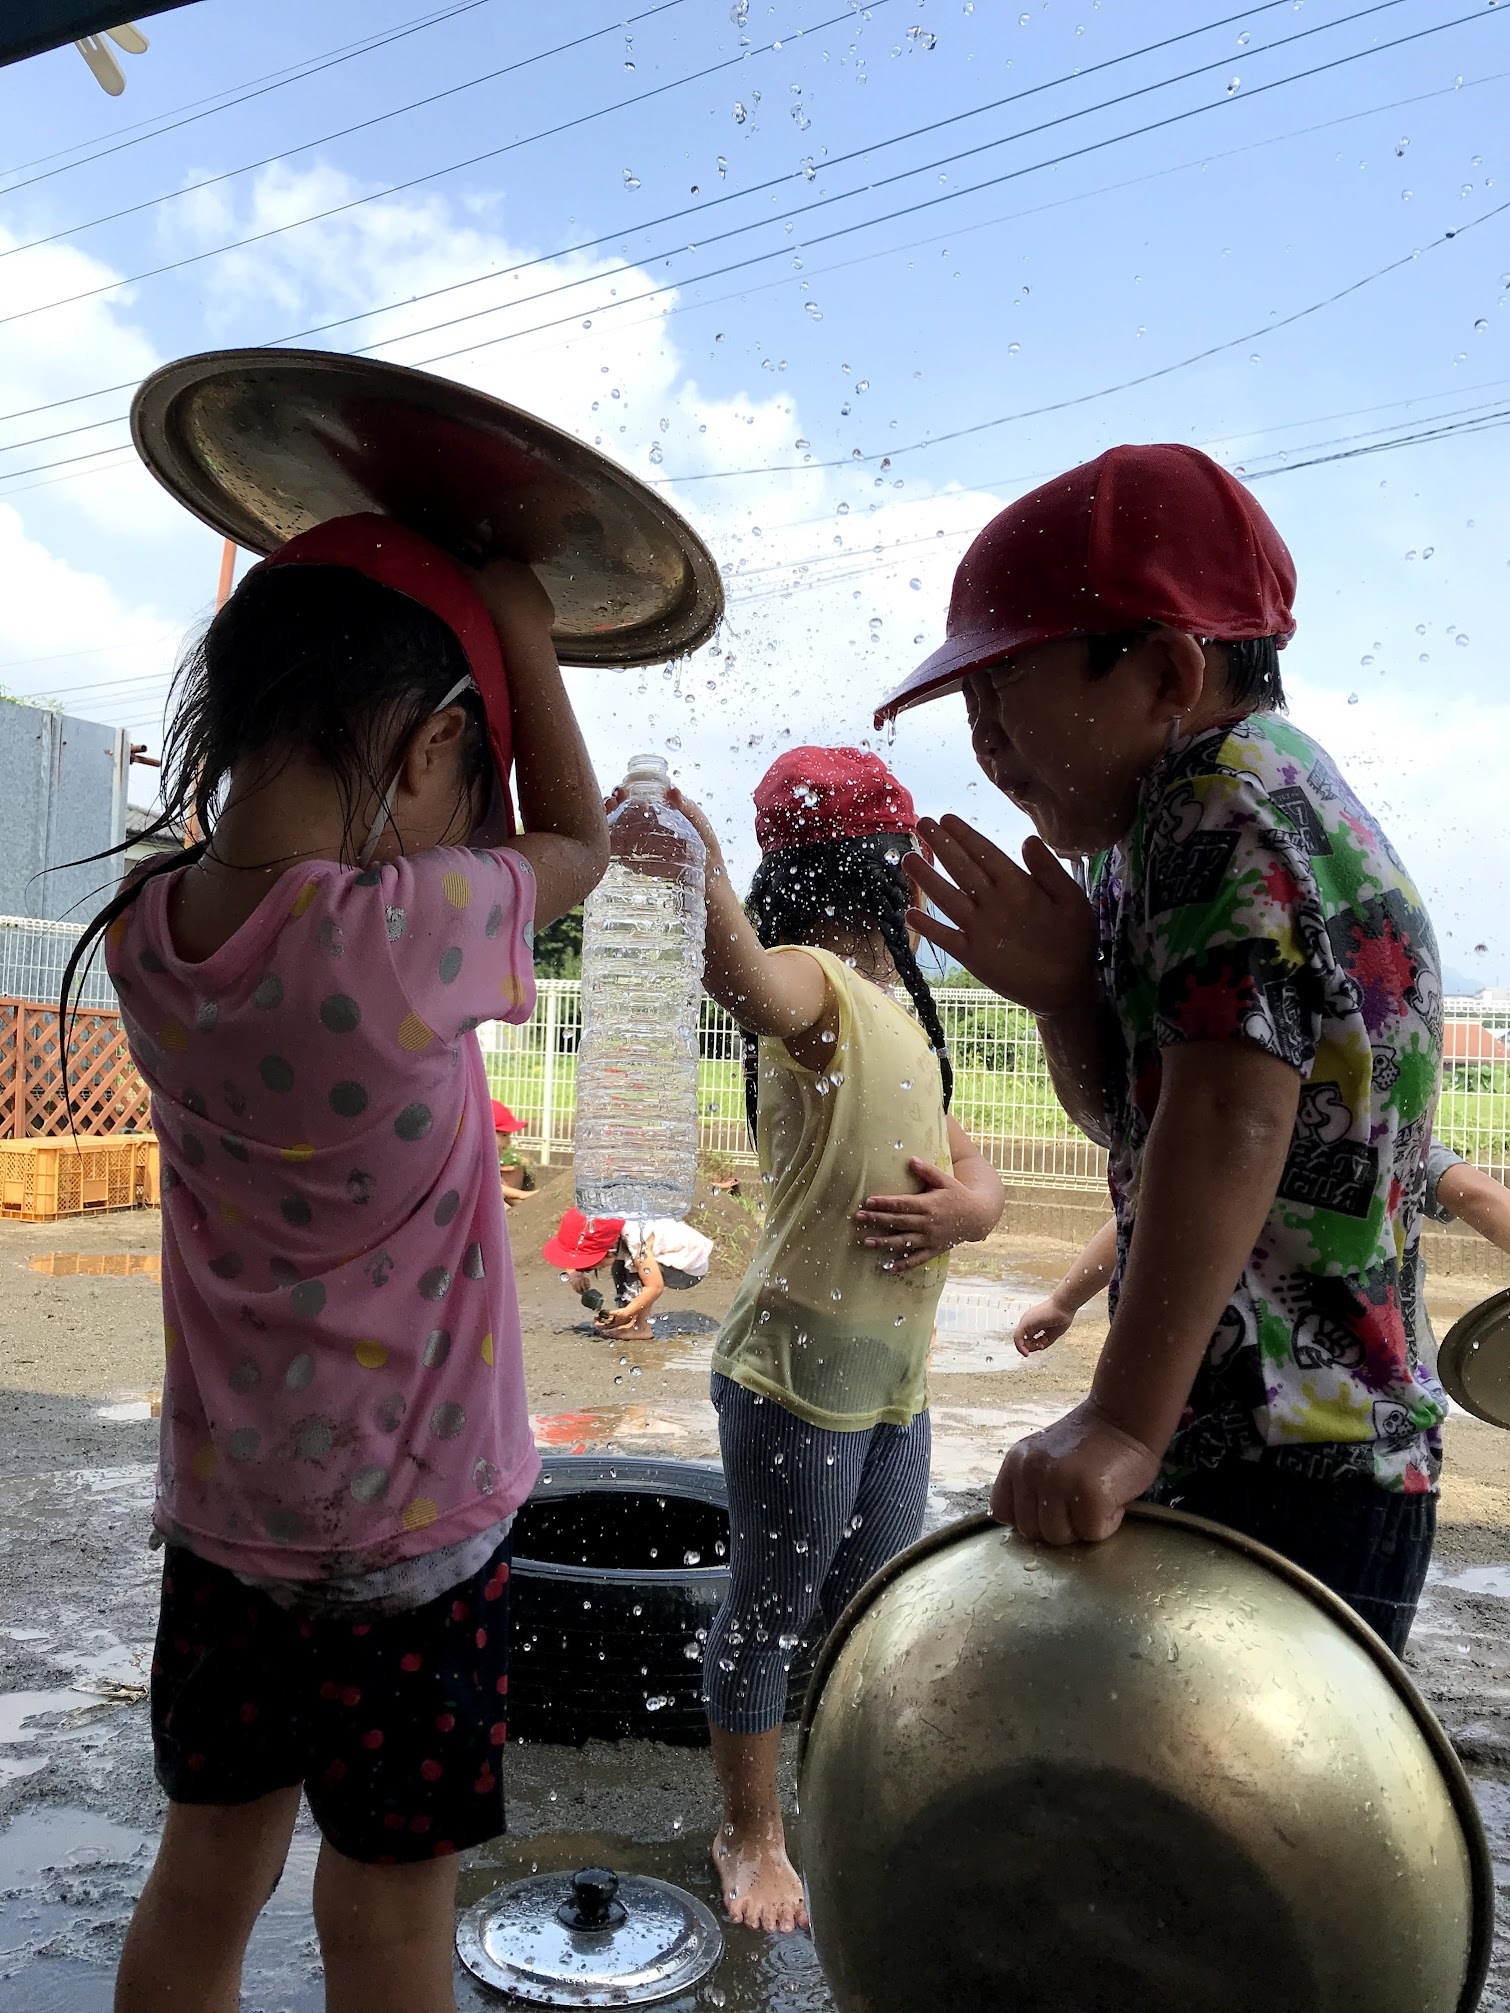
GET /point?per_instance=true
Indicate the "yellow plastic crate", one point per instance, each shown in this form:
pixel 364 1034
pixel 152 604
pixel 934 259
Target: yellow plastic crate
pixel 42 1179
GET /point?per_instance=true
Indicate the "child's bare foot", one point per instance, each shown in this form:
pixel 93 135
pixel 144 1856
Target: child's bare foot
pixel 760 1884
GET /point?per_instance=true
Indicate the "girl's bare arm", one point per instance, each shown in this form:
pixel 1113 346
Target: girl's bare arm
pixel 780 993
pixel 565 836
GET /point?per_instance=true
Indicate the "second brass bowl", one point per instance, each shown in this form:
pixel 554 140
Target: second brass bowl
pixel 1165 1774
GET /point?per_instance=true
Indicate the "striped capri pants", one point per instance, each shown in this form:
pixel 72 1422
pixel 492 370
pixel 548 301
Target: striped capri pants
pixel 812 1515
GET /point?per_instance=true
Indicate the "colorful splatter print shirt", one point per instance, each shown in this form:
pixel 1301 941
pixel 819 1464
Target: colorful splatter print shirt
pixel 344 1388
pixel 1256 899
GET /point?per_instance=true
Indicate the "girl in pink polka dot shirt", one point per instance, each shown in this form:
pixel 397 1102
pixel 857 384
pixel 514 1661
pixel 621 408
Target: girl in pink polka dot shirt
pixel 345 1434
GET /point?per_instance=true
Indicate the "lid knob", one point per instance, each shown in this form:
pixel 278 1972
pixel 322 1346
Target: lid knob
pixel 592 1904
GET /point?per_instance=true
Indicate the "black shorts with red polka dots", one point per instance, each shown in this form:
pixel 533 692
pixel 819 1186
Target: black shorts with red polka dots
pixel 394 1724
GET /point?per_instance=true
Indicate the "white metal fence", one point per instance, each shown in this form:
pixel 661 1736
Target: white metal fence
pixel 34 956
pixel 1003 1097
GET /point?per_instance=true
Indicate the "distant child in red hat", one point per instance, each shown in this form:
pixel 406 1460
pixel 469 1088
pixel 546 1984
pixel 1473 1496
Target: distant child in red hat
pixel 646 1255
pixel 820 1369
pixel 1246 1011
pixel 345 1428
pixel 513 1171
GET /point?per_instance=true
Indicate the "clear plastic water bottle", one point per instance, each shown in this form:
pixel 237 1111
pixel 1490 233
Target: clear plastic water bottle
pixel 642 968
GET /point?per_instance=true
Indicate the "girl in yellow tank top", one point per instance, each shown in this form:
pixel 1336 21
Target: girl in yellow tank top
pixel 820 1369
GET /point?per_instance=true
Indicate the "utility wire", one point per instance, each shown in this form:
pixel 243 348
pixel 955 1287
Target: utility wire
pixel 917 244
pixel 274 81
pixel 805 210
pixel 451 168
pixel 345 132
pixel 589 244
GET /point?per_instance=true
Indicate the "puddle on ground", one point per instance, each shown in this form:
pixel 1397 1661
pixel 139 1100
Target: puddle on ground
pixel 776 1974
pixel 98 1264
pixel 1482 1580
pixel 689 1431
pixel 976 1318
pixel 68 1882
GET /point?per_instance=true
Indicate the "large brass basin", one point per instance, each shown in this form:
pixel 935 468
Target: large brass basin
pixel 1165 1774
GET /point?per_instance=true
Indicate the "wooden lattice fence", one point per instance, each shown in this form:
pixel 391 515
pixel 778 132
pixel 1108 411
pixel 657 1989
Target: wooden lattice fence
pixel 108 1095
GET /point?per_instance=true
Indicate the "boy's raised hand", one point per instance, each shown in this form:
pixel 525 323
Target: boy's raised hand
pixel 1072 1482
pixel 1027 932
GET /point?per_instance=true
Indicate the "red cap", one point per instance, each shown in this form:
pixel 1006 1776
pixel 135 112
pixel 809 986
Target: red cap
pixel 504 1120
pixel 1140 534
pixel 582 1242
pixel 382 549
pixel 811 795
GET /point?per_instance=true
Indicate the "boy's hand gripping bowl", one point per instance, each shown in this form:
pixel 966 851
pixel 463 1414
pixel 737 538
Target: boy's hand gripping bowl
pixel 264 443
pixel 1169 1771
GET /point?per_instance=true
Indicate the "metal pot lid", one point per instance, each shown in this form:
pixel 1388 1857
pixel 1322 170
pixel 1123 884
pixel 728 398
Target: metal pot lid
pixel 590 1939
pixel 260 444
pixel 1473 1362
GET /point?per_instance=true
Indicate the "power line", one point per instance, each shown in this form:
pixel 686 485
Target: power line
pixel 1108 391
pixel 758 188
pixel 857 457
pixel 275 80
pixel 912 209
pixel 453 167
pixel 345 132
pixel 870 188
pixel 1489 421
pixel 695 209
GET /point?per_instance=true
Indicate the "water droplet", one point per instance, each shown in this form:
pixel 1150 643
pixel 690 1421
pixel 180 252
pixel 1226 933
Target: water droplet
pixel 631 179
pixel 812 310
pixel 1479 950
pixel 906 1083
pixel 1352 698
pixel 804 443
pixel 674 743
pixel 915 585
pixel 656 455
pixel 1236 84
pixel 922 37
pixel 1014 349
pixel 1462 641
pixel 657 1703
pixel 692 1558
pixel 1480 325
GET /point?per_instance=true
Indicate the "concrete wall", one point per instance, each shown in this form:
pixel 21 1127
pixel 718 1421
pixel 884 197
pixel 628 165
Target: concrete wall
pixel 62 796
pixel 1075 1214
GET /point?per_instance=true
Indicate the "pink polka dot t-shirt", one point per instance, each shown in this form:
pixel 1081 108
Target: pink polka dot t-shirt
pixel 344 1386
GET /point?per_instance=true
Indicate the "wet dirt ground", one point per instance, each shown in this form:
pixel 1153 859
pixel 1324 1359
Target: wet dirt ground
pixel 80 1357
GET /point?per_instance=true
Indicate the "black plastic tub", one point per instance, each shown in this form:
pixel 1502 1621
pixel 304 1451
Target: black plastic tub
pixel 620 1565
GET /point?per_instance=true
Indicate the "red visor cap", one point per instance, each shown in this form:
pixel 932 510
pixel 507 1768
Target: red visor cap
pixel 382 549
pixel 504 1120
pixel 809 796
pixel 582 1242
pixel 1140 534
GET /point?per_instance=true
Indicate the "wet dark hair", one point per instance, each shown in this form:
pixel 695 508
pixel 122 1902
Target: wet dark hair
pixel 316 661
pixel 859 884
pixel 1253 679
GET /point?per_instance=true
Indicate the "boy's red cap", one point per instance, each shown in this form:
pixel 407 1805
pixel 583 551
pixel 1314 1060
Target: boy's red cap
pixel 1140 534
pixel 504 1120
pixel 811 795
pixel 582 1242
pixel 382 549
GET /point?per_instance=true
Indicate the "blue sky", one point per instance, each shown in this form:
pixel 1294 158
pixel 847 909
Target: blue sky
pixel 1098 255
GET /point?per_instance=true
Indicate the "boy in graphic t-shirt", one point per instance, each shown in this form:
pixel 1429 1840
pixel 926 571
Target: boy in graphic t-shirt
pixel 1245 1009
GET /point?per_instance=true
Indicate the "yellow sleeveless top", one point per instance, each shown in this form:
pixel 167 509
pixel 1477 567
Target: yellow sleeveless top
pixel 816 1324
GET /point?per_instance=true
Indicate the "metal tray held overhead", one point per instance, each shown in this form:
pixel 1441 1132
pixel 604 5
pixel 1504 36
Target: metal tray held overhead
pixel 260 444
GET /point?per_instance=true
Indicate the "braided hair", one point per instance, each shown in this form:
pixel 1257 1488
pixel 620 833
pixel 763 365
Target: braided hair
pixel 859 884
